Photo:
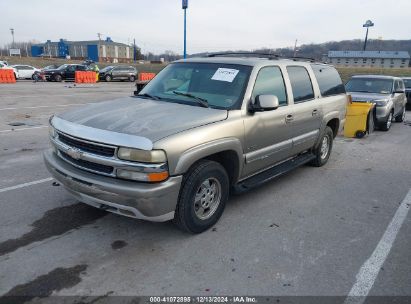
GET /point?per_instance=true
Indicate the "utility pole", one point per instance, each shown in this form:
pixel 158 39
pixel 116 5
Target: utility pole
pixel 367 24
pixel 134 51
pixel 295 48
pixel 12 34
pixel 99 46
pixel 185 6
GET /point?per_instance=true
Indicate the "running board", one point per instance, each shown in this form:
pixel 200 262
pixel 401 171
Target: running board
pixel 270 174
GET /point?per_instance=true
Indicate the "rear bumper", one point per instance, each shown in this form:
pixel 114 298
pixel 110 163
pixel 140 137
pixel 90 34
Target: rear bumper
pixel 152 202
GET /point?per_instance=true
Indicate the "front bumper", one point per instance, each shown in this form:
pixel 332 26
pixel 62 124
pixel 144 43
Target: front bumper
pixel 152 202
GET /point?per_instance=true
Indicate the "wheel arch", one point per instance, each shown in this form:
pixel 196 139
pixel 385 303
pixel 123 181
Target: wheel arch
pixel 227 152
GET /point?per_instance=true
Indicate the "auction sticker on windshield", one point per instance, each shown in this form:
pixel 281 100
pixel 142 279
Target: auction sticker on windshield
pixel 223 74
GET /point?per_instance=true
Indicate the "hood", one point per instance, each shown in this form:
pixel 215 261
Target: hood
pixel 151 119
pixel 358 96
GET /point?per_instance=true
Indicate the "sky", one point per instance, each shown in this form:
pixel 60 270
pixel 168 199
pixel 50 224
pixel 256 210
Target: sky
pixel 212 25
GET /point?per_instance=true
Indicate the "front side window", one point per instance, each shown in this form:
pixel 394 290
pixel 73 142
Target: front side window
pixel 370 85
pixel 407 83
pixel 221 85
pixel 270 81
pixel 328 79
pixel 300 83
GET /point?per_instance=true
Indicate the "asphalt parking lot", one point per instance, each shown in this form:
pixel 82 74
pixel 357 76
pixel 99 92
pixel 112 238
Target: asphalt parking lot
pixel 329 231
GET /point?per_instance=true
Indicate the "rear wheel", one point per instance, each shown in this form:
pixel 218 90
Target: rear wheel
pixel 401 116
pixel 385 126
pixel 202 197
pixel 132 78
pixel 323 151
pixel 108 78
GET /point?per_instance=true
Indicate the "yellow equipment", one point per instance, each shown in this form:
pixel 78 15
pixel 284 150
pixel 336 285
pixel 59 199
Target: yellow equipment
pixel 359 120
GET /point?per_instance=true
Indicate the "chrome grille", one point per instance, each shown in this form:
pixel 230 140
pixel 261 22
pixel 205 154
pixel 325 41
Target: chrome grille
pixel 83 164
pixel 87 146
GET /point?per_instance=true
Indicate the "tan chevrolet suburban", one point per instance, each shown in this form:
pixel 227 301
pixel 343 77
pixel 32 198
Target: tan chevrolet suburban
pixel 201 129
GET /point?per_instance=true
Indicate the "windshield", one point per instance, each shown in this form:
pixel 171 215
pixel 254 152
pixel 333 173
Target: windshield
pixel 407 83
pixel 370 85
pixel 221 86
pixel 106 69
pixel 62 67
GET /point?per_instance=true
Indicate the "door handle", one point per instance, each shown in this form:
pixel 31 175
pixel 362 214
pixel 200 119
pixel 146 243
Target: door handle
pixel 315 112
pixel 289 118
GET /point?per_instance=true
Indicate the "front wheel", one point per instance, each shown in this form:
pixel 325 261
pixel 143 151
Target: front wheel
pixel 401 116
pixel 58 78
pixel 202 197
pixel 108 78
pixel 385 126
pixel 323 151
pixel 132 78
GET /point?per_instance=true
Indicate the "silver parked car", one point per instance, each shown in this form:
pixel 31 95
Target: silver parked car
pixel 387 92
pixel 202 128
pixel 407 83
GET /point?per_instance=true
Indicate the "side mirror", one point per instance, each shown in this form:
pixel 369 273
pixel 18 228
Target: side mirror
pixel 264 103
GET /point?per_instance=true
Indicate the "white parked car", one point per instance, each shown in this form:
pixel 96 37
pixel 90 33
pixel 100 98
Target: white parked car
pixel 4 65
pixel 25 71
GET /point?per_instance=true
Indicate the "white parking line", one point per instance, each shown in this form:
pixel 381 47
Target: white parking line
pixel 40 181
pixel 52 106
pixel 22 129
pixel 369 271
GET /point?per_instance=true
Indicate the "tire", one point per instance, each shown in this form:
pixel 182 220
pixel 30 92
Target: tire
pixel 132 78
pixel 108 78
pixel 385 126
pixel 208 182
pixel 401 117
pixel 370 122
pixel 323 151
pixel 58 78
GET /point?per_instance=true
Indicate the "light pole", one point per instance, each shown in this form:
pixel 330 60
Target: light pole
pixel 185 6
pixel 367 24
pixel 12 34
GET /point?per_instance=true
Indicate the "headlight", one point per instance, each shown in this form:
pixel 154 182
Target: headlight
pixel 52 132
pixel 381 102
pixel 154 156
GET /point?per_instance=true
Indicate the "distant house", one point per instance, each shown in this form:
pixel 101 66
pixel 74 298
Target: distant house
pixel 380 59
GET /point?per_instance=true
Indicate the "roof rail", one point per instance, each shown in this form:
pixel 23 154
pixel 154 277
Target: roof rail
pixel 260 55
pixel 249 54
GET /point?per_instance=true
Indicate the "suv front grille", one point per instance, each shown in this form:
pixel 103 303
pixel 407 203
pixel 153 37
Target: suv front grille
pixel 87 146
pixel 87 165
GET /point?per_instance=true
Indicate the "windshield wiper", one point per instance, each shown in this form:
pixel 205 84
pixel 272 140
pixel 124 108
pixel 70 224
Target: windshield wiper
pixel 201 101
pixel 149 96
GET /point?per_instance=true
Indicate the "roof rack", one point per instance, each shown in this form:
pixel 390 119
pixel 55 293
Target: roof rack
pixel 260 55
pixel 248 54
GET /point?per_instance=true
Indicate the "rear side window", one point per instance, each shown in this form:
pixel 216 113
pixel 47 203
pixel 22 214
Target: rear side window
pixel 270 82
pixel 328 79
pixel 300 83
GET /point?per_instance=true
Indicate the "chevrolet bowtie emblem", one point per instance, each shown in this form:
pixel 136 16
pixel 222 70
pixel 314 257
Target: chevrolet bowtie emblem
pixel 74 153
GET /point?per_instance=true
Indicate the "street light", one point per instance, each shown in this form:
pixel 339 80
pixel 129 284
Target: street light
pixel 185 6
pixel 367 24
pixel 12 34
